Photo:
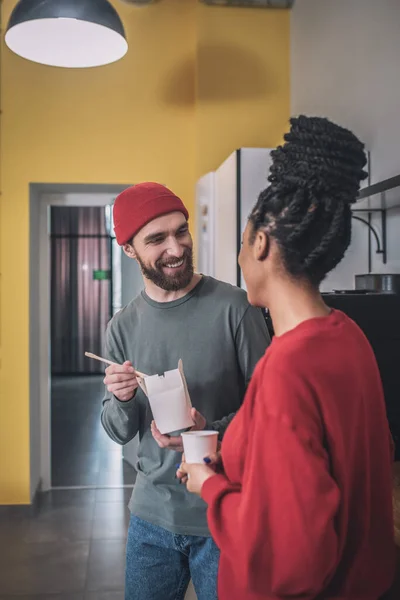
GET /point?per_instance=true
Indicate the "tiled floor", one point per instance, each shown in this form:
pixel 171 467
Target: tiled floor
pixel 82 453
pixel 73 549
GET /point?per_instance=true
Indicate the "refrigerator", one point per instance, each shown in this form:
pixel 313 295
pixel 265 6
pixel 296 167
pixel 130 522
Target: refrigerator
pixel 224 199
pixel 204 244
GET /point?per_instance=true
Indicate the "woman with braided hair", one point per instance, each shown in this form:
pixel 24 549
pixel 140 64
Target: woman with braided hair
pixel 301 505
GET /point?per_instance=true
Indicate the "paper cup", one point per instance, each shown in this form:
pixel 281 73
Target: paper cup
pixel 199 444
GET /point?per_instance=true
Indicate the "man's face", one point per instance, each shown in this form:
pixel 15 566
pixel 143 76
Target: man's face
pixel 164 251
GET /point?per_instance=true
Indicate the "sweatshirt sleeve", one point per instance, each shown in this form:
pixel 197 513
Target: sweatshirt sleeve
pixel 278 525
pixel 251 340
pixel 119 419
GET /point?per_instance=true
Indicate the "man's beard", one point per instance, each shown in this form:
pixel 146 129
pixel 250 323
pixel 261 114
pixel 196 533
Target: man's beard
pixel 169 283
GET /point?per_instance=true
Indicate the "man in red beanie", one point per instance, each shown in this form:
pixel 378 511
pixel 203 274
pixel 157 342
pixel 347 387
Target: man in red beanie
pixel 220 337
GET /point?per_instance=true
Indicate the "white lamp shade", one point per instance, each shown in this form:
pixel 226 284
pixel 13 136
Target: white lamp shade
pixel 66 33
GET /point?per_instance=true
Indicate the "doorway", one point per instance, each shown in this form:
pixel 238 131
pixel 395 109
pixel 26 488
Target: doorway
pixel 82 303
pixel 65 387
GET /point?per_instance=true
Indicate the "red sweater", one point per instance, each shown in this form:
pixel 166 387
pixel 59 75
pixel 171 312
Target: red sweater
pixel 304 509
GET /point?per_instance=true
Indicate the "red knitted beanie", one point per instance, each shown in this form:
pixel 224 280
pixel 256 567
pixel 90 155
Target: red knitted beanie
pixel 140 204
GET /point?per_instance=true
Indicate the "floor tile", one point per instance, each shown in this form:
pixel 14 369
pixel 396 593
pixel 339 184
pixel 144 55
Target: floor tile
pixel 80 596
pixel 111 520
pixel 106 566
pixel 61 524
pixel 104 595
pixel 40 569
pixel 13 530
pixel 190 594
pixel 114 495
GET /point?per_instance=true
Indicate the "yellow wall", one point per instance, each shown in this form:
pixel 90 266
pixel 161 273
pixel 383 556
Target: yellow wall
pixel 197 83
pixel 243 81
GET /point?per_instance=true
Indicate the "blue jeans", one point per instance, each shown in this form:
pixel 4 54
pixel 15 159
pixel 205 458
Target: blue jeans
pixel 159 564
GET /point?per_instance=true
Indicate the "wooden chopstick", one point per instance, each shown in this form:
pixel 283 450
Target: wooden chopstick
pixel 110 362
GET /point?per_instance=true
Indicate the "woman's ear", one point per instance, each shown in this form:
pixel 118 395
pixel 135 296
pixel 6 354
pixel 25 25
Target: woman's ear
pixel 129 250
pixel 261 246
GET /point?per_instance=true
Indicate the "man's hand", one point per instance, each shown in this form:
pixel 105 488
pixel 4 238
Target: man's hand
pixel 121 381
pixel 175 442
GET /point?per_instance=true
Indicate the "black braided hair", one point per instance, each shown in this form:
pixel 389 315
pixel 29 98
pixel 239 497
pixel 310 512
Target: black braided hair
pixel 314 178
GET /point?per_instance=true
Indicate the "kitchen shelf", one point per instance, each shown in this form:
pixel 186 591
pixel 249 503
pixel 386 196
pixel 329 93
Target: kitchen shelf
pixel 377 198
pixel 382 195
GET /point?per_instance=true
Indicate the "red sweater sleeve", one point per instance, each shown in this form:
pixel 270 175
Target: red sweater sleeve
pixel 277 527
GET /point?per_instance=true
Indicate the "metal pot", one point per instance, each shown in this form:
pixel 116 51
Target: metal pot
pixel 379 282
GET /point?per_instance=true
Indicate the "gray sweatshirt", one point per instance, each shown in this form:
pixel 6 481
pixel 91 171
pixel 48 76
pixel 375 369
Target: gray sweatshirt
pixel 220 338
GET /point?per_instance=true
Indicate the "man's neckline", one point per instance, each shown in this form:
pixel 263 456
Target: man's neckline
pixel 178 301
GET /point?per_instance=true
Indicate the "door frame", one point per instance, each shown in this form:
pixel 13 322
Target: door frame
pixel 42 197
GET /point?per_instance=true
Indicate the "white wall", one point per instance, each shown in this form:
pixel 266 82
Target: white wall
pixel 344 61
pixel 131 279
pixel 34 355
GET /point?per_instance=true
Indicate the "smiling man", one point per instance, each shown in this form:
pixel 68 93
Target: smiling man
pixel 220 338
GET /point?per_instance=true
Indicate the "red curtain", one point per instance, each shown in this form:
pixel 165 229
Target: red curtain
pixel 81 306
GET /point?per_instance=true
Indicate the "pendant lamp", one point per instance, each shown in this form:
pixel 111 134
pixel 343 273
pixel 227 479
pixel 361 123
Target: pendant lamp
pixel 66 33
